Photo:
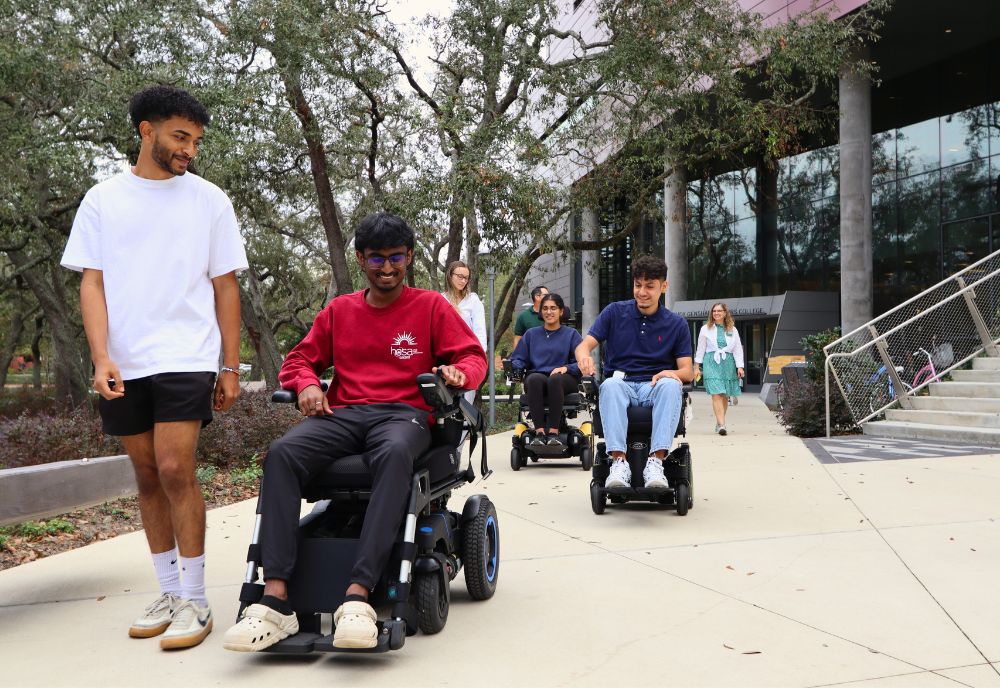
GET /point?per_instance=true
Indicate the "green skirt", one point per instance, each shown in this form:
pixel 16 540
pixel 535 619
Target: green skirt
pixel 720 378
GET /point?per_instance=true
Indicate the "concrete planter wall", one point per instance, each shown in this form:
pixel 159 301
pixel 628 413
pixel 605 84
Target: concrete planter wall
pixel 35 492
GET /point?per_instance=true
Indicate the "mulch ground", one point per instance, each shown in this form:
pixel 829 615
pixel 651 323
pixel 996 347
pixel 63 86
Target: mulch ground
pixel 109 520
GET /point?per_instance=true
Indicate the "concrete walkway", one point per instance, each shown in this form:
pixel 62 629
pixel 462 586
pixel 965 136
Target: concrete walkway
pixel 787 572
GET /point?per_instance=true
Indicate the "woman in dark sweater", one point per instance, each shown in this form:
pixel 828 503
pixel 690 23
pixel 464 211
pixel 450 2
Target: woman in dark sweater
pixel 547 354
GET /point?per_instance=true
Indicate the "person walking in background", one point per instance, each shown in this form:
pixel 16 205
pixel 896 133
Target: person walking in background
pixel 529 317
pixel 723 369
pixel 547 354
pixel 467 303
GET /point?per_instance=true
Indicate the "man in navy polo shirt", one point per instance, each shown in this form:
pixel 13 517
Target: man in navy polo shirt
pixel 647 359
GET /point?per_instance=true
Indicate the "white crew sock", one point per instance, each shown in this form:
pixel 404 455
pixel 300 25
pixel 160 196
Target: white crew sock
pixel 168 572
pixel 193 578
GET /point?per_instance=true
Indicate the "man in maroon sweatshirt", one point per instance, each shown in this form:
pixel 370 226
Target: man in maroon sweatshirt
pixel 378 341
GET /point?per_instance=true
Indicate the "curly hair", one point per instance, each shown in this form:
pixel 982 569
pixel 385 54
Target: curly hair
pixel 649 267
pixel 161 102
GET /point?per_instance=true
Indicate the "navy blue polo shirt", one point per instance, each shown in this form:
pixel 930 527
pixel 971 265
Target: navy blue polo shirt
pixel 640 345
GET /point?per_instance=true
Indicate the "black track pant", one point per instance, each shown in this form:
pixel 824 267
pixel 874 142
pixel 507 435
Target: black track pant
pixel 538 386
pixel 389 436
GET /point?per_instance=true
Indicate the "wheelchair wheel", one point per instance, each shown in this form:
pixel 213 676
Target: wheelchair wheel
pixel 587 458
pixel 682 499
pixel 432 602
pixel 597 500
pixel 481 552
pixel 515 459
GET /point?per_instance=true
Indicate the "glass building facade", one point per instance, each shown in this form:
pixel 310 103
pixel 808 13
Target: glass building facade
pixel 935 199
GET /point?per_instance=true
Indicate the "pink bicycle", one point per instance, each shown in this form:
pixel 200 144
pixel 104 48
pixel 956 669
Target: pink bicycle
pixel 943 355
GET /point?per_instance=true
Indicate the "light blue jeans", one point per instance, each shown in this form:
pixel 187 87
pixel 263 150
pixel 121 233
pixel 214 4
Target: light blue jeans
pixel 617 395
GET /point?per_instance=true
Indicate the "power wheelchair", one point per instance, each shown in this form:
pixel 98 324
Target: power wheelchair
pixel 676 466
pixel 575 441
pixel 433 545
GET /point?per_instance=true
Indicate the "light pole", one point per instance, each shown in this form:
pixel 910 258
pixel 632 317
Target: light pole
pixel 491 352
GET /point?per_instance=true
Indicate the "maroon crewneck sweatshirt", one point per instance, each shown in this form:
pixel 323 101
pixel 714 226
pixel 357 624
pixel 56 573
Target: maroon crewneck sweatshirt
pixel 377 353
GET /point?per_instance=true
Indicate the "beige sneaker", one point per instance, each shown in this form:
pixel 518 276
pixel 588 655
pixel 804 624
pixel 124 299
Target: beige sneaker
pixel 156 617
pixel 355 622
pixel 192 623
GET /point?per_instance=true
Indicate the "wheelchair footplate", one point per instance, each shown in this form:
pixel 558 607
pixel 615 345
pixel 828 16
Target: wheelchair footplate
pixel 391 636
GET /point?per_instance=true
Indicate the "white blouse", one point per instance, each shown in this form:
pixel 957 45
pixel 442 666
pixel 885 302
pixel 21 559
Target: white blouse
pixel 472 312
pixel 708 342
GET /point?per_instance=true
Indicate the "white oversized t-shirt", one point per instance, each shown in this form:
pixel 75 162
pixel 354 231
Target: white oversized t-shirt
pixel 158 243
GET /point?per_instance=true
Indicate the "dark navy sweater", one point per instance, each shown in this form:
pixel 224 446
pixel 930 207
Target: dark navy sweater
pixel 542 351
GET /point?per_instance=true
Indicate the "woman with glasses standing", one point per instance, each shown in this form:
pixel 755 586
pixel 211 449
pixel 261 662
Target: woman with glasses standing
pixel 467 303
pixel 724 366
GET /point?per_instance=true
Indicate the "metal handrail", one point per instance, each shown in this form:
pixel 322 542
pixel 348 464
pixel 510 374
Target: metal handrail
pixel 869 360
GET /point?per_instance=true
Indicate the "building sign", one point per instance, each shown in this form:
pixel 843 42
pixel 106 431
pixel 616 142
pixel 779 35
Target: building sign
pixel 751 307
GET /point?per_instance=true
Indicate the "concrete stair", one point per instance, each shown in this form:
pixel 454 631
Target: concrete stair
pixel 965 409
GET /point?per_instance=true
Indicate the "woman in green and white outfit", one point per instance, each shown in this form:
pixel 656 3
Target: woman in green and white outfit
pixel 719 339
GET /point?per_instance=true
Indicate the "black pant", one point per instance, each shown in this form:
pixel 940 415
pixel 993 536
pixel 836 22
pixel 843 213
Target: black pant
pixel 539 385
pixel 389 436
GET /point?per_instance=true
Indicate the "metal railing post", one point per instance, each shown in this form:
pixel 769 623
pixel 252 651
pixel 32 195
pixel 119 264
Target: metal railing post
pixel 890 368
pixel 826 384
pixel 977 318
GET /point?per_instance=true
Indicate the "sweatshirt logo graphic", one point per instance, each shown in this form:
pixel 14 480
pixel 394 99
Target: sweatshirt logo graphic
pixel 404 346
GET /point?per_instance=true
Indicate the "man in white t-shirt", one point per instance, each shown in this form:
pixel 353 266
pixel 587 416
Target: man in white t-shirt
pixel 159 250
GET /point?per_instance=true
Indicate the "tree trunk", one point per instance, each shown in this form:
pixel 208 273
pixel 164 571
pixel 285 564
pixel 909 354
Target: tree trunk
pixel 456 222
pixel 71 375
pixel 36 353
pixel 10 346
pixel 258 326
pixel 472 239
pixel 313 137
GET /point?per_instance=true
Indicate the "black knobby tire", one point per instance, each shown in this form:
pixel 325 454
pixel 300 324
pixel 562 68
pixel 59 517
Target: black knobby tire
pixel 515 459
pixel 481 551
pixel 432 602
pixel 597 499
pixel 682 499
pixel 587 458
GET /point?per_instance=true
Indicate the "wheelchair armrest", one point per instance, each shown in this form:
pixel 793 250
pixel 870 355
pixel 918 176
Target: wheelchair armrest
pixel 687 387
pixel 287 396
pixel 513 374
pixel 589 385
pixel 435 391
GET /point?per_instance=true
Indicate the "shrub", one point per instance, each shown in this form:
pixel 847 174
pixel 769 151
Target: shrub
pixel 246 430
pixel 26 400
pixel 28 439
pixel 803 411
pixel 35 530
pixel 250 475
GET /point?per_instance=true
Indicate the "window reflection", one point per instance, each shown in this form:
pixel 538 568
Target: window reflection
pixel 917 148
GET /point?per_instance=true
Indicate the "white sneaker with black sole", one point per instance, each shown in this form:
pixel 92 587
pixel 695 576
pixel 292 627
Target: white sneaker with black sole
pixel 620 474
pixel 192 623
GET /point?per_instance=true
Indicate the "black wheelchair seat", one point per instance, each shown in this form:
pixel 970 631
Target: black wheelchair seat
pixel 351 473
pixel 571 402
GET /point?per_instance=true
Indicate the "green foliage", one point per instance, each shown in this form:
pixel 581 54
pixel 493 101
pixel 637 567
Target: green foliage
pixel 109 509
pixel 249 475
pixel 4 539
pixel 205 473
pixel 803 411
pixel 35 530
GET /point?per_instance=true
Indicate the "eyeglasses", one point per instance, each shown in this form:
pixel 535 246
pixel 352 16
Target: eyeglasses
pixel 396 259
pixel 455 275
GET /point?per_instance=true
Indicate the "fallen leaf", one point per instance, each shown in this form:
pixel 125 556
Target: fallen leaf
pixel 730 567
pixel 752 652
pixel 726 646
pixel 750 573
pixel 101 598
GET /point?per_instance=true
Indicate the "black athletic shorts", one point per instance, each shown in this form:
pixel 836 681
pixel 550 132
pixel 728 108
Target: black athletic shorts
pixel 159 398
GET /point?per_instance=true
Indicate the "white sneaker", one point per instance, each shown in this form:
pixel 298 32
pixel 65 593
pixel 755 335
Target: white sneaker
pixel 192 623
pixel 653 473
pixel 156 617
pixel 620 475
